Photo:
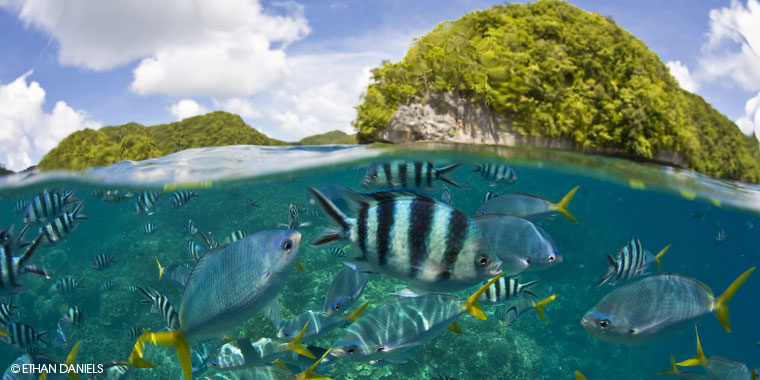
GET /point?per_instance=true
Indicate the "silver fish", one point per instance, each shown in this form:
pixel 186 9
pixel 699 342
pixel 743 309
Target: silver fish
pixel 344 289
pixel 721 235
pixel 528 206
pixel 518 243
pixel 496 173
pixel 244 353
pixel 415 174
pixel 177 273
pixel 520 307
pixel 411 236
pixel 717 368
pixel 656 306
pixel 317 325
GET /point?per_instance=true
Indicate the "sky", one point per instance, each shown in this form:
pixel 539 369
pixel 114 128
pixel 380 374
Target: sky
pixel 292 68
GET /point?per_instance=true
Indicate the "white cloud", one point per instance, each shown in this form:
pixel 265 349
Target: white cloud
pixel 184 47
pixel 733 47
pixel 27 133
pixel 186 108
pixel 240 106
pixel 750 122
pixel 681 73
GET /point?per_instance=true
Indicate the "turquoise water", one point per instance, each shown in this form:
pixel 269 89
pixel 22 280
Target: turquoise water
pixel 618 200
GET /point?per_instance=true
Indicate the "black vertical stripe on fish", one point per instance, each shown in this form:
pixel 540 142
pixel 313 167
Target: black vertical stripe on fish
pixel 362 227
pixel 402 173
pixel 417 173
pixel 497 284
pixel 429 168
pixel 458 225
pixel 420 224
pixel 388 174
pixel 385 218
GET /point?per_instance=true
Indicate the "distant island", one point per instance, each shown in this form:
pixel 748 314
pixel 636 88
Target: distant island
pixel 90 148
pixel 550 74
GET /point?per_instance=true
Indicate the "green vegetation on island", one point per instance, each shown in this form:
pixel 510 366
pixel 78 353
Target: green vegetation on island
pixel 556 71
pixel 89 148
pixel 332 137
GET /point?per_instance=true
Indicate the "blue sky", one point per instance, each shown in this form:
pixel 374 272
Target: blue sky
pixel 291 69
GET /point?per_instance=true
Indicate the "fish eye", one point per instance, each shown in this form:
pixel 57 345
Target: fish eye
pixel 551 258
pixel 336 307
pixel 373 176
pixel 287 244
pixel 632 331
pixel 351 350
pixel 604 323
pixel 381 348
pixel 482 259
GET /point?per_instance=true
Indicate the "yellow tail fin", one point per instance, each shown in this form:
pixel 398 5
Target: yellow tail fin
pixel 309 374
pixel 673 369
pixel 721 304
pixel 659 256
pixel 579 375
pixel 160 268
pixel 174 339
pixel 300 267
pixel 4 333
pixel 697 360
pixel 358 312
pixel 454 327
pixel 471 303
pixel 561 206
pixel 71 358
pixel 136 357
pixel 296 346
pixel 540 306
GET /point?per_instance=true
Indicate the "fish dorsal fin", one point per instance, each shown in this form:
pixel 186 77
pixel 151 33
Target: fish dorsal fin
pixel 673 369
pixel 697 360
pixel 280 364
pixel 454 327
pixel 358 312
pixel 659 256
pixel 540 306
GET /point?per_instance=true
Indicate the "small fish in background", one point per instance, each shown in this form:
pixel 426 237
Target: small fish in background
pixel 47 205
pixel 21 335
pixel 75 315
pixel 316 213
pixel 211 243
pixel 20 206
pixel 103 261
pixel 134 332
pixel 177 273
pixel 131 289
pixel 149 228
pixel 293 219
pixel 717 367
pixel 68 285
pixel 748 225
pixel 181 197
pixel 415 174
pixel 702 214
pixel 632 261
pixel 107 285
pixel 162 304
pixel 446 195
pixel 509 315
pixel 298 206
pixel 189 227
pixel 506 289
pixel 235 236
pixel 496 173
pixel 251 204
pixel 721 235
pixel 490 195
pixel 233 222
pixel 7 311
pixel 60 227
pixel 114 370
pixel 338 252
pixel 146 202
pixel 344 289
pixel 194 250
pixel 113 196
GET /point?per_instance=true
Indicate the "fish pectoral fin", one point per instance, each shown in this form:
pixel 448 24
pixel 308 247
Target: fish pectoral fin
pixel 360 264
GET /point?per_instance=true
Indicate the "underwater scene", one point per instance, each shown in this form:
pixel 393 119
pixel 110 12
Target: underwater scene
pixel 442 262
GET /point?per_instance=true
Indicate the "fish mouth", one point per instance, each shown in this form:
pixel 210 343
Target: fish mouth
pixel 295 236
pixel 338 352
pixel 588 324
pixel 494 268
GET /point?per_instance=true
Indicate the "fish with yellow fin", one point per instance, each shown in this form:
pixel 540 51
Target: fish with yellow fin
pixel 717 367
pixel 528 206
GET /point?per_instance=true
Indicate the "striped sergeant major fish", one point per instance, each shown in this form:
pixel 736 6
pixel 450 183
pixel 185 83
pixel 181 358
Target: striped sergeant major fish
pixel 103 261
pixel 243 353
pixel 490 195
pixel 21 335
pixel 74 314
pixel 68 284
pixel 149 228
pixel 506 289
pixel 106 285
pixel 146 202
pixel 59 228
pixel 235 236
pixel 496 173
pixel 134 332
pixel 7 311
pixel 47 205
pixel 181 197
pixel 12 267
pixel 162 304
pixel 189 227
pixel 113 196
pixel 293 219
pixel 409 235
pixel 417 174
pixel 631 261
pixel 115 370
pixel 194 250
pixel 20 206
pixel 131 289
pixel 338 252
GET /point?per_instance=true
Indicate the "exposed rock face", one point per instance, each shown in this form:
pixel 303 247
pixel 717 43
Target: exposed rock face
pixel 447 117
